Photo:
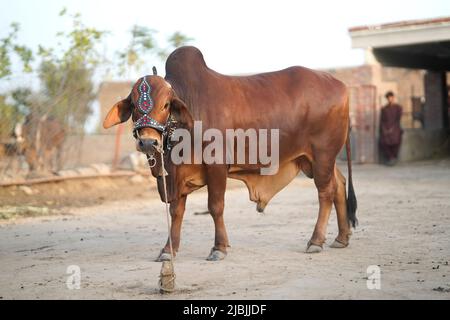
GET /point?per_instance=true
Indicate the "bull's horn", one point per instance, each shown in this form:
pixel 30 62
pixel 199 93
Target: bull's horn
pixel 155 73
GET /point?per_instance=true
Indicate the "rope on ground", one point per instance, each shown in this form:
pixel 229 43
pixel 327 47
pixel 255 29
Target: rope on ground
pixel 167 275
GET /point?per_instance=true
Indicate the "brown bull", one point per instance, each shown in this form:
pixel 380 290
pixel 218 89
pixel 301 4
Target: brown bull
pixel 310 108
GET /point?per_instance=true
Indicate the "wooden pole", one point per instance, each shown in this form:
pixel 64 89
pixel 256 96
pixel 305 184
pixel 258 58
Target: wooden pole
pixel 119 132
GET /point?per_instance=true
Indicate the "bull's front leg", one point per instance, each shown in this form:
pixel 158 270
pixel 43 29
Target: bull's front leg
pixel 177 208
pixel 217 181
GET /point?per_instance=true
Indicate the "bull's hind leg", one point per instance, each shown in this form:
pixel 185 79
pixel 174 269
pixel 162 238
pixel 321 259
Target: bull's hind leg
pixel 325 181
pixel 340 204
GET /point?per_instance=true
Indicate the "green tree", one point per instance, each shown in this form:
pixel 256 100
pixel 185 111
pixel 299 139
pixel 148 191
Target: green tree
pixel 176 40
pixel 9 47
pixel 10 110
pixel 66 71
pixel 66 74
pixel 6 115
pixel 142 43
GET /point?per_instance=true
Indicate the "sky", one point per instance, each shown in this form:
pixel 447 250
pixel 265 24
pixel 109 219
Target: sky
pixel 235 36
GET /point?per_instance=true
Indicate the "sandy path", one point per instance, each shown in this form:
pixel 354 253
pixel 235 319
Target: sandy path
pixel 404 215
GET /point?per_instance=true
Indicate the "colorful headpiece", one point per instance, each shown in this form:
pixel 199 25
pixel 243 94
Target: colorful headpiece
pixel 145 106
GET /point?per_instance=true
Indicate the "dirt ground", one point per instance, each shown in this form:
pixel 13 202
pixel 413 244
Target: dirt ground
pixel 404 228
pixel 61 196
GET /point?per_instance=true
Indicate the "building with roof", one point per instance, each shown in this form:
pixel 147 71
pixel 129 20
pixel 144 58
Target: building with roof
pixel 412 59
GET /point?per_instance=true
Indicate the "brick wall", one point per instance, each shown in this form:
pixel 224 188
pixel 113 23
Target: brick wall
pixel 98 148
pixel 408 83
pixel 353 76
pixel 405 83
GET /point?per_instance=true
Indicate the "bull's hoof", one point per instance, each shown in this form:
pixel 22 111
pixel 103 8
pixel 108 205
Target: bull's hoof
pixel 216 255
pixel 163 256
pixel 338 245
pixel 260 206
pixel 313 248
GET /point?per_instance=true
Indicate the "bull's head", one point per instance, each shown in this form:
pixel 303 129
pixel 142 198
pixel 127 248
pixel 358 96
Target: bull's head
pixel 150 103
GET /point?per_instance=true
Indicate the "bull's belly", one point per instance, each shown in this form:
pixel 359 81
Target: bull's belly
pixel 262 188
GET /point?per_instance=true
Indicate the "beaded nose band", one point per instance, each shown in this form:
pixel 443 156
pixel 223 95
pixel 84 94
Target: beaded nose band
pixel 145 106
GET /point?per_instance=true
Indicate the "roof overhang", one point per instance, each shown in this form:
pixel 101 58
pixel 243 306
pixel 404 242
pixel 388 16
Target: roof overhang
pixel 423 44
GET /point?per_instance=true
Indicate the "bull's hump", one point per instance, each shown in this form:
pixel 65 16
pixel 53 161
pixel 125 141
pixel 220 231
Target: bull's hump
pixel 186 55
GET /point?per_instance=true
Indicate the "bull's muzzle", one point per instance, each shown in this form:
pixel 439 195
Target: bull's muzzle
pixel 147 145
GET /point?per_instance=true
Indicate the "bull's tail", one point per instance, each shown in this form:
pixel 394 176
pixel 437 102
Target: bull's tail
pixel 351 196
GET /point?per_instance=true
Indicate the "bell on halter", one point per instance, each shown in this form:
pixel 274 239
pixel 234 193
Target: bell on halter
pixel 151 160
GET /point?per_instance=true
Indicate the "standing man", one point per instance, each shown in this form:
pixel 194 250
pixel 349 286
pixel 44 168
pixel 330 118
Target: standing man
pixel 390 130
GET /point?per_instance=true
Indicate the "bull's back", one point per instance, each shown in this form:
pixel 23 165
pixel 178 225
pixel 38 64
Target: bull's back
pixel 295 100
pixel 307 107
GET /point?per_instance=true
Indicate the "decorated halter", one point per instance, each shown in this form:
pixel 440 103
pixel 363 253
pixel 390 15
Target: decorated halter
pixel 145 106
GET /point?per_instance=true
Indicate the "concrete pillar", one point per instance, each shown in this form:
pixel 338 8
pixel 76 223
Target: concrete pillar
pixel 435 112
pixel 370 58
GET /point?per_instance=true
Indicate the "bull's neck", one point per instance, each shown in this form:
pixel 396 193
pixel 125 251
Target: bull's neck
pixel 189 84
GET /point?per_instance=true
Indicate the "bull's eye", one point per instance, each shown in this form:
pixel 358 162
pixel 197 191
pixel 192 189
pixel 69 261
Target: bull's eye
pixel 166 105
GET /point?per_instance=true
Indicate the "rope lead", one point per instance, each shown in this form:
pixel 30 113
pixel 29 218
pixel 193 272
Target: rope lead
pixel 167 274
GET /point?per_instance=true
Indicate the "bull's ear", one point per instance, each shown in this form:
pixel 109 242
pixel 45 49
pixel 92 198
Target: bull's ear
pixel 181 114
pixel 119 113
